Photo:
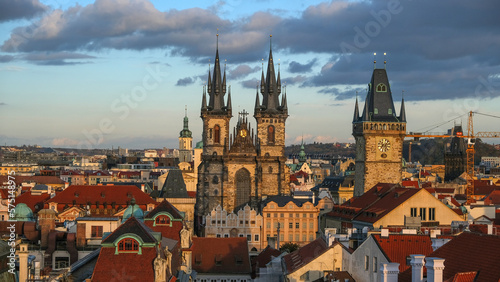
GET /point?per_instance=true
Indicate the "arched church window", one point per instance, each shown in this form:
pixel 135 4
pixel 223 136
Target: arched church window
pixel 270 134
pixel 128 245
pixel 381 87
pixel 217 134
pixel 215 180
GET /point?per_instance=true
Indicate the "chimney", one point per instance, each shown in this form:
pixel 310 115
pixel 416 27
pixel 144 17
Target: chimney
pixel 490 229
pixel 384 233
pixel 417 268
pixel 435 268
pixel 23 262
pixel 80 235
pixel 143 188
pixel 66 184
pixel 389 272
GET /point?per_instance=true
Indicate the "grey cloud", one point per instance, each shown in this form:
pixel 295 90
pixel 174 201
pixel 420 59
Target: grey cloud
pixel 20 9
pixel 296 67
pixel 185 81
pixel 2 104
pixel 242 71
pixel 251 83
pixel 56 58
pixel 6 58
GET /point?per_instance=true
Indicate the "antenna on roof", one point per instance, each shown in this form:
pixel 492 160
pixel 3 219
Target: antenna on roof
pixel 385 61
pixel 374 60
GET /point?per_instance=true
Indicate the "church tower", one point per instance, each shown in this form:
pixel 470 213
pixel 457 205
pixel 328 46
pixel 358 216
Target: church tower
pixel 379 135
pixel 215 116
pixel 185 142
pixel 271 116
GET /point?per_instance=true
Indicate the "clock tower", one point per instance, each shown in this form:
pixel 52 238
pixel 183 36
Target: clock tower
pixel 379 135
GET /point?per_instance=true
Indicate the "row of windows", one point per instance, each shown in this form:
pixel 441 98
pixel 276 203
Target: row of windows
pixel 223 222
pixel 291 225
pixel 423 213
pixel 297 237
pixel 249 237
pixel 311 215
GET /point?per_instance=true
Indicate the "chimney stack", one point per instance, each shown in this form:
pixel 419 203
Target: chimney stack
pixel 417 268
pixel 435 268
pixel 23 262
pixel 389 272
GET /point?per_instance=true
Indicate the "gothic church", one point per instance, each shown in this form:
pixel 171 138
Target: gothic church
pixel 243 166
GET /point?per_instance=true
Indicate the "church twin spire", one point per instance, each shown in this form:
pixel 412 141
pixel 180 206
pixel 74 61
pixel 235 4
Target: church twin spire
pixel 270 88
pixel 216 88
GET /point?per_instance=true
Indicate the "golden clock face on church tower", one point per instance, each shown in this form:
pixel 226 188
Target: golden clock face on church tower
pixel 243 133
pixel 384 145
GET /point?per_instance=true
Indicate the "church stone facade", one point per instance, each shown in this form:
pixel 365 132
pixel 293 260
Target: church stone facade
pixel 379 135
pixel 240 165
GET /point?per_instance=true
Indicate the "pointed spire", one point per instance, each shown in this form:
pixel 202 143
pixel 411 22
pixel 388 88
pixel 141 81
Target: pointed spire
pixel 402 112
pixel 217 85
pixel 204 99
pixel 270 99
pixel 284 103
pixel 257 102
pixel 356 109
pixel 262 80
pixel 224 79
pixel 279 79
pixel 185 131
pixel 366 112
pixel 229 106
pixel 385 61
pixel 374 60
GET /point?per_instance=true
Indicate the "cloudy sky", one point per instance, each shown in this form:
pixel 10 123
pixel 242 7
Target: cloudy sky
pixel 120 72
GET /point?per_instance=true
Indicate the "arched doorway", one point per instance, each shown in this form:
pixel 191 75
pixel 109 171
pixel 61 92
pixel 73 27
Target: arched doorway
pixel 242 179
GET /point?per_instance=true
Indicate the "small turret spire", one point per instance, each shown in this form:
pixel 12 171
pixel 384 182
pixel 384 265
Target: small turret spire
pixel 257 102
pixel 229 106
pixel 385 61
pixel 204 99
pixel 356 109
pixel 374 60
pixel 402 112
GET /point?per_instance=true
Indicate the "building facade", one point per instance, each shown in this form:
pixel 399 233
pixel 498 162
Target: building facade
pixel 455 155
pixel 242 167
pixel 379 135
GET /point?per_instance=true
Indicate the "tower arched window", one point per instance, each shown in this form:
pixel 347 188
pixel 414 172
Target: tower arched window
pixel 270 134
pixel 128 245
pixel 381 87
pixel 217 134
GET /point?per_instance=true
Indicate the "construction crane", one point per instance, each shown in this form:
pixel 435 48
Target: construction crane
pixel 471 141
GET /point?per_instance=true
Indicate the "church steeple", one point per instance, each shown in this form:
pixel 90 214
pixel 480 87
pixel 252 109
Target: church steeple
pixel 185 132
pixel 379 105
pixel 271 87
pixel 217 85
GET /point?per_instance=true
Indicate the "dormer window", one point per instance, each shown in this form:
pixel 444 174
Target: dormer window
pixel 128 245
pixel 381 87
pixel 162 220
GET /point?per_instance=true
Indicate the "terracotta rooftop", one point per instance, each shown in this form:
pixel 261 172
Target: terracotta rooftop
pixel 493 198
pixel 398 247
pixel 470 252
pixel 297 259
pixel 34 202
pixel 165 206
pixel 132 225
pixel 463 277
pixel 220 255
pixel 120 194
pixel 38 179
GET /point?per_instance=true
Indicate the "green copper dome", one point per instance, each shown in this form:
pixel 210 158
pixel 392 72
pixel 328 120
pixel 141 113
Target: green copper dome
pixel 133 210
pixel 23 213
pixel 199 145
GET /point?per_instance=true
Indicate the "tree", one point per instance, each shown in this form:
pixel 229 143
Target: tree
pixel 289 247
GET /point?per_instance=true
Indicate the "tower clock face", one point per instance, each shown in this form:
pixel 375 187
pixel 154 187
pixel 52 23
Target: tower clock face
pixel 243 133
pixel 384 145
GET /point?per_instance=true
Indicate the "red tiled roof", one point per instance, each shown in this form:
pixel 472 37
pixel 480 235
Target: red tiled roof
pixel 493 198
pixel 4 193
pixel 426 184
pixel 432 191
pixel 471 252
pixel 99 173
pixel 119 194
pixel 297 259
pixel 70 172
pixel 220 255
pixel 410 183
pixel 463 277
pixel 34 202
pixel 398 247
pixel 445 190
pixel 125 266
